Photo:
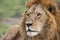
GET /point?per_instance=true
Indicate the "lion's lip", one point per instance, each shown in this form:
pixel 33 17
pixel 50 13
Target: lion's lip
pixel 31 31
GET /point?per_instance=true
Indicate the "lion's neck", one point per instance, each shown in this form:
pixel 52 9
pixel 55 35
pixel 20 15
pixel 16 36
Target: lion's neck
pixel 38 37
pixel 44 36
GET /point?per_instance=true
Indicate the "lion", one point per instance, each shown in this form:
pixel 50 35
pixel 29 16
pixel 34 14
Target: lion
pixel 37 23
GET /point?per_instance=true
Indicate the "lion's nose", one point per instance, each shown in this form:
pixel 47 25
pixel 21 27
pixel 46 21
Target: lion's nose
pixel 28 24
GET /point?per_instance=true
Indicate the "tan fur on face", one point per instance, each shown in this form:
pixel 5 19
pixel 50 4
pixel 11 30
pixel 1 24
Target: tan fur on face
pixel 38 19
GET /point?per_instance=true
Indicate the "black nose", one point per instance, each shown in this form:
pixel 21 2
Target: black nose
pixel 29 24
pixel 29 30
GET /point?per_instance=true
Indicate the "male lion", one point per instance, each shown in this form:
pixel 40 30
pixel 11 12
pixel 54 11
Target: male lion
pixel 37 23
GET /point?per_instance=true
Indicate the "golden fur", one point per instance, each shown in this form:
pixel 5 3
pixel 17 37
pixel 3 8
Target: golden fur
pixel 52 29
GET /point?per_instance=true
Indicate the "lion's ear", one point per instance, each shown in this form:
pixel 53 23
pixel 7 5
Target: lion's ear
pixel 51 8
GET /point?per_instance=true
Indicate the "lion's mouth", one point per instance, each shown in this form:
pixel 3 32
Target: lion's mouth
pixel 31 33
pixel 30 30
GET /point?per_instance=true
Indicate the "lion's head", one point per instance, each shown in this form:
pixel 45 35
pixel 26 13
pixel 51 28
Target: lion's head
pixel 39 21
pixel 35 21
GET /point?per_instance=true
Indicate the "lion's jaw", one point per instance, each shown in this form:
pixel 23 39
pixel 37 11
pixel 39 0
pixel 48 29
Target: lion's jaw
pixel 31 34
pixel 35 21
pixel 34 31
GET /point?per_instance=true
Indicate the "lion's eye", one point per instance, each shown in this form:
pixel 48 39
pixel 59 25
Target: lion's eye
pixel 27 15
pixel 38 15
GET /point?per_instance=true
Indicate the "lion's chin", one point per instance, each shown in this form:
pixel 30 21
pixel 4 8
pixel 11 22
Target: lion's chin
pixel 31 34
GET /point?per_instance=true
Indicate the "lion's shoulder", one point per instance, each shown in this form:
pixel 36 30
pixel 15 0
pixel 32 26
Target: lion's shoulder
pixel 11 32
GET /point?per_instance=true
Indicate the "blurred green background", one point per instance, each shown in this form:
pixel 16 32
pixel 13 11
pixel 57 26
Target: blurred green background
pixel 10 13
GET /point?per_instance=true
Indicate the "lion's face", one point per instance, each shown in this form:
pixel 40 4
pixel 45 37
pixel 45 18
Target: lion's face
pixel 35 21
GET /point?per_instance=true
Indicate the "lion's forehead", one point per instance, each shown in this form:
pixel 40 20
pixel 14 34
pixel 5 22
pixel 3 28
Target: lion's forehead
pixel 37 8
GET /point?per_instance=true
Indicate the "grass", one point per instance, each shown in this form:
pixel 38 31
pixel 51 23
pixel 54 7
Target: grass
pixel 3 29
pixel 8 7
